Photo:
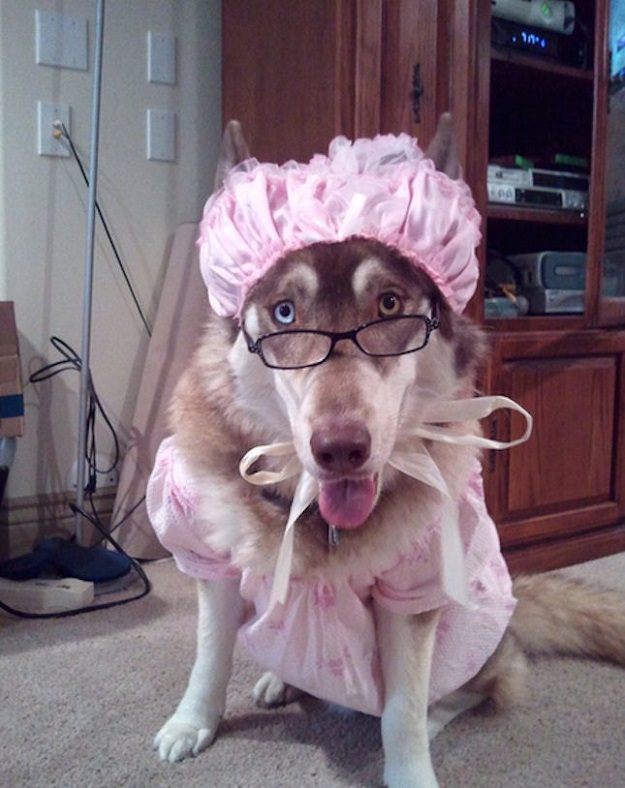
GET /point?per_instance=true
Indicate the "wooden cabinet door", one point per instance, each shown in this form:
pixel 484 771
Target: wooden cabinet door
pixel 568 478
pixel 288 74
pixel 416 46
pixel 298 73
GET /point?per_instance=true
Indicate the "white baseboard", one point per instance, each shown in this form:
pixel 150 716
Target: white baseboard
pixel 26 521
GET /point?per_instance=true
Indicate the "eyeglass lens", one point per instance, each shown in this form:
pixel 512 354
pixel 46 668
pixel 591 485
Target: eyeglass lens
pixel 395 335
pixel 391 336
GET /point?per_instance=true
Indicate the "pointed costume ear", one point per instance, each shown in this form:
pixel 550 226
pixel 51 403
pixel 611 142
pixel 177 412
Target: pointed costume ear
pixel 443 149
pixel 234 150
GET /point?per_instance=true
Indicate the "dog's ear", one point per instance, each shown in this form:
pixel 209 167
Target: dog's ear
pixel 234 150
pixel 443 149
pixel 470 346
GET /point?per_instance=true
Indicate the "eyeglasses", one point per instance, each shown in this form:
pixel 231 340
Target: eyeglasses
pixel 301 347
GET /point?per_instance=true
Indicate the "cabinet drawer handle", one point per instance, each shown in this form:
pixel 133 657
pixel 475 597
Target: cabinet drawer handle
pixel 416 92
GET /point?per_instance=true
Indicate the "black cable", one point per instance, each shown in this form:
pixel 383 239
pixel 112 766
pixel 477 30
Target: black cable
pixel 65 133
pixel 128 514
pixel 72 361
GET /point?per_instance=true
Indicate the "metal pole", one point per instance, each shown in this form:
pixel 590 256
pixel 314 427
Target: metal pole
pixel 89 265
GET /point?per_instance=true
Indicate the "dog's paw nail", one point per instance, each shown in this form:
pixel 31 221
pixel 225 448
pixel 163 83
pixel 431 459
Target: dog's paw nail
pixel 179 740
pixel 270 691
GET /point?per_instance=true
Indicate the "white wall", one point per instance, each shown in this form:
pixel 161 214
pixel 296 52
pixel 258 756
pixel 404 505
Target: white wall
pixel 43 206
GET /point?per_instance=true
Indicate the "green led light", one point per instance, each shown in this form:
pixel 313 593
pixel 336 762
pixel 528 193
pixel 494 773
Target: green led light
pixel 546 10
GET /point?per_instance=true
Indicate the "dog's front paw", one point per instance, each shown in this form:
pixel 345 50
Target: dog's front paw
pixel 270 691
pixel 179 739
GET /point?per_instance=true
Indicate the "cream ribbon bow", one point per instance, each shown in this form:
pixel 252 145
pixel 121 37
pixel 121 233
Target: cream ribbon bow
pixel 418 464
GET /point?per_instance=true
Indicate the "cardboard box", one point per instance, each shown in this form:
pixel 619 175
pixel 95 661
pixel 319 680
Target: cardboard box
pixel 11 397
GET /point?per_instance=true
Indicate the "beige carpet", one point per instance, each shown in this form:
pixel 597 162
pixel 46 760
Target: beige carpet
pixel 81 698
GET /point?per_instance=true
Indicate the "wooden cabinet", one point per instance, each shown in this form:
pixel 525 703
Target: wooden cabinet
pixel 298 73
pixel 559 498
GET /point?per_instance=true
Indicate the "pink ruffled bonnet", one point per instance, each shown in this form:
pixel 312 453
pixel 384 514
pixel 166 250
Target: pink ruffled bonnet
pixel 382 188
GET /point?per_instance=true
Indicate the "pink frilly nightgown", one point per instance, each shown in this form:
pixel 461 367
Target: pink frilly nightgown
pixel 323 640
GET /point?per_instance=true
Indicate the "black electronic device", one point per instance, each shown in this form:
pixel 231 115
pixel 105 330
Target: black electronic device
pixel 525 38
pixel 570 50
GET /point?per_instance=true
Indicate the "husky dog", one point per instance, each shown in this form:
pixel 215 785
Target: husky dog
pixel 322 480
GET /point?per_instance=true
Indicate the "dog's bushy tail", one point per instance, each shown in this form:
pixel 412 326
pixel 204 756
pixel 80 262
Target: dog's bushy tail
pixel 560 615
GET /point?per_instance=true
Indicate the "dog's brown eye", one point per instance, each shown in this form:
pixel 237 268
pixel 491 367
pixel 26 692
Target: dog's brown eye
pixel 284 312
pixel 389 305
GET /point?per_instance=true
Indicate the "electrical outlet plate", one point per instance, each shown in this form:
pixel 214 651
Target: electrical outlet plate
pixel 47 114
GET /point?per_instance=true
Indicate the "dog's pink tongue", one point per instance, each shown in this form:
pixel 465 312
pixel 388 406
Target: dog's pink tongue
pixel 347 503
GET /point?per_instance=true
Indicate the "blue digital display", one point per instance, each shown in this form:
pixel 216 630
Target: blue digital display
pixel 525 38
pixel 533 40
pixel 530 39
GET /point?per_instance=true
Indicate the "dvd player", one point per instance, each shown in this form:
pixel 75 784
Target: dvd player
pixel 537 188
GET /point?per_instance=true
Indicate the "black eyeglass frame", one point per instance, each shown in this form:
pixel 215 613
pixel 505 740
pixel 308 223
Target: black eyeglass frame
pixel 255 346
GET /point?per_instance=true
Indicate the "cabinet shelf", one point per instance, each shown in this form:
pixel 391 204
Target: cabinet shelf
pixel 537 215
pixel 535 323
pixel 542 64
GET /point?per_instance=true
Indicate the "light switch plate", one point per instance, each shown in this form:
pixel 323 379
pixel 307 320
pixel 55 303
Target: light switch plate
pixel 161 135
pixel 61 40
pixel 161 58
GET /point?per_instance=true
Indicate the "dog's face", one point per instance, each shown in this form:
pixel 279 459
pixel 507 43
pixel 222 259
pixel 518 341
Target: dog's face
pixel 348 414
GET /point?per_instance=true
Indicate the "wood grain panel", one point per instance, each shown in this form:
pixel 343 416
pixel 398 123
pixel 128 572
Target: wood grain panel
pixel 555 553
pixel 288 73
pixel 569 458
pixel 368 68
pixel 412 34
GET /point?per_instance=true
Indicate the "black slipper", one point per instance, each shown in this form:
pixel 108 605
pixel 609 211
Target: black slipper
pixel 87 563
pixel 68 560
pixel 29 566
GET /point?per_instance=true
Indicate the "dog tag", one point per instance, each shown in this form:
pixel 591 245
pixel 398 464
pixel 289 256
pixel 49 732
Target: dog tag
pixel 333 536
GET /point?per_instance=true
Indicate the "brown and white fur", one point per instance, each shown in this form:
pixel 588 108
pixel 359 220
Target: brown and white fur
pixel 345 417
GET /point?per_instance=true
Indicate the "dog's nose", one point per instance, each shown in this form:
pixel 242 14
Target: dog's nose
pixel 341 449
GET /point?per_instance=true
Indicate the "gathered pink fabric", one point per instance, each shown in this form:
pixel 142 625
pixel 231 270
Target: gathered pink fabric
pixel 382 188
pixel 323 639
